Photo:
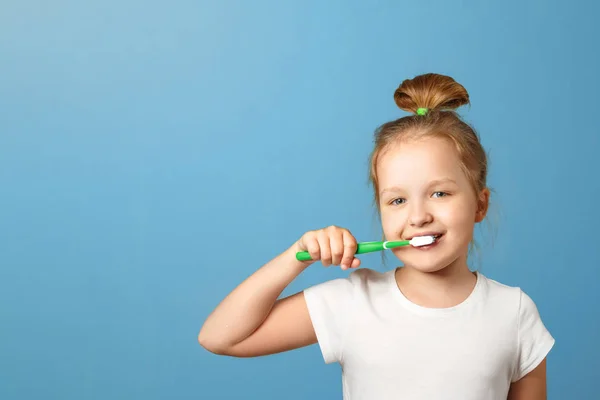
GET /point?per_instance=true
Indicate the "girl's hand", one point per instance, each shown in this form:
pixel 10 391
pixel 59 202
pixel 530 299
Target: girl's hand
pixel 332 246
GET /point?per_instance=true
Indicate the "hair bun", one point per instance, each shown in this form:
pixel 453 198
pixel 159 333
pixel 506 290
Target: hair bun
pixel 431 91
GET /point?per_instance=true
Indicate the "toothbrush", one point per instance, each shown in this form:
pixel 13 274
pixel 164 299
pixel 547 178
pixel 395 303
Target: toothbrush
pixel 369 247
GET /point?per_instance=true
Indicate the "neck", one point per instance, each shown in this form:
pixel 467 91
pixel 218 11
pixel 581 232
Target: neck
pixel 446 287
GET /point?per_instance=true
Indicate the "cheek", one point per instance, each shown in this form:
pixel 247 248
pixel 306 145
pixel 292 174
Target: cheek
pixel 461 219
pixel 391 222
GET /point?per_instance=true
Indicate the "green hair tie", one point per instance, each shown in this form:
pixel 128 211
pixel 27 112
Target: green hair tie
pixel 422 111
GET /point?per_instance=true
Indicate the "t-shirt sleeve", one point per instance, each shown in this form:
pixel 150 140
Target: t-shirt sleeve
pixel 329 306
pixel 534 340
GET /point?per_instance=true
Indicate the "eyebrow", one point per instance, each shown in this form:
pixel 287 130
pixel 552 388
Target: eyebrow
pixel 432 183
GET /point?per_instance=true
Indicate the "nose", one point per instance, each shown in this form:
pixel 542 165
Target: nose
pixel 419 215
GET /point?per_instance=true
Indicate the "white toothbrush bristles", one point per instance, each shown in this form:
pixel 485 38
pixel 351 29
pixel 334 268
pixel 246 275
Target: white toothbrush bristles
pixel 422 240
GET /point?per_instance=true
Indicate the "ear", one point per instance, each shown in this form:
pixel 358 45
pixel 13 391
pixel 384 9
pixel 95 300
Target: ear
pixel 483 201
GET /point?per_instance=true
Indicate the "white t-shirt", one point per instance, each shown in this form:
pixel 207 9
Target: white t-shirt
pixel 392 348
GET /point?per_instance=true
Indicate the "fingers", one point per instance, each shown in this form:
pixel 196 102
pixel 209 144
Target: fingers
pixel 312 246
pixel 336 240
pixel 325 247
pixel 355 263
pixel 332 246
pixel 349 250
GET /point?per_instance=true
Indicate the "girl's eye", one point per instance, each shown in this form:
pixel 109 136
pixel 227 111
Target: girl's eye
pixel 440 194
pixel 398 201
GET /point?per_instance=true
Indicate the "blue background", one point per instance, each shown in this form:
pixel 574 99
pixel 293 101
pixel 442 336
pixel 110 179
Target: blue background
pixel 155 154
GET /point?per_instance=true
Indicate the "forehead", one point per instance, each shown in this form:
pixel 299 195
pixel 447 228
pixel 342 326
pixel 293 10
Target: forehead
pixel 419 161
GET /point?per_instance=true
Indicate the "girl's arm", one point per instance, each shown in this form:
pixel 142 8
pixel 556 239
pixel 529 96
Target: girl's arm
pixel 532 386
pixel 250 321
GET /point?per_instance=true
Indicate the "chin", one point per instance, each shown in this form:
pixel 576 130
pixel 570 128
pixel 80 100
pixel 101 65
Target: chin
pixel 428 263
pixel 427 268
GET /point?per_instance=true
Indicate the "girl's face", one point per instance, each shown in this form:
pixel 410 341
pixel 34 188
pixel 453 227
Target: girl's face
pixel 424 191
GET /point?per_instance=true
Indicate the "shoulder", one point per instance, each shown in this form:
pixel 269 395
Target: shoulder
pixel 509 297
pixel 532 339
pixel 514 305
pixel 514 296
pixel 499 288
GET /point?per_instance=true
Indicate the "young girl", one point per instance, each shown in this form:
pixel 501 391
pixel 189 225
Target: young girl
pixel 431 329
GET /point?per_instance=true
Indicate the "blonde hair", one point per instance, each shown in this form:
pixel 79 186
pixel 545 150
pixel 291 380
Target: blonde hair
pixel 439 96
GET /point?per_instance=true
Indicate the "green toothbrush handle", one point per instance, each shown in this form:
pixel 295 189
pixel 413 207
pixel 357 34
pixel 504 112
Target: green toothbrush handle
pixel 364 247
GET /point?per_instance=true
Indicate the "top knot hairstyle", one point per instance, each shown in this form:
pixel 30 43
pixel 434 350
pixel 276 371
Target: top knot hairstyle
pixel 432 100
pixel 430 91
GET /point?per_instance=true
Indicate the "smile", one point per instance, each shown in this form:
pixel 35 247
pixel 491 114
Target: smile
pixel 436 235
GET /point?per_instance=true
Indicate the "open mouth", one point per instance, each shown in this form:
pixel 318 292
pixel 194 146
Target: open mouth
pixel 435 235
pixel 426 246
